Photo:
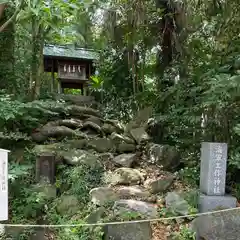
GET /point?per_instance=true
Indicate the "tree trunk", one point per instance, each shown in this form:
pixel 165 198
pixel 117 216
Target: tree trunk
pixel 37 55
pixel 7 52
pixel 2 7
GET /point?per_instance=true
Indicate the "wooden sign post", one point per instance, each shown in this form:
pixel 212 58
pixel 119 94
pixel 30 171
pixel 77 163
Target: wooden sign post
pixel 4 184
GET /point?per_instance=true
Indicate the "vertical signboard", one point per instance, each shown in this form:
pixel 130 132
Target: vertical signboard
pixel 213 168
pixel 3 184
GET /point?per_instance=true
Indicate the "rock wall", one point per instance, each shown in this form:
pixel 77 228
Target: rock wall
pixel 136 170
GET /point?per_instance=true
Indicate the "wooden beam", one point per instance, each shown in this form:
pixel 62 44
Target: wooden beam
pixel 52 80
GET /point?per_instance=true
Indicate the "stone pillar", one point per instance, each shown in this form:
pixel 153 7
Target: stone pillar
pixel 45 177
pixel 213 178
pixel 59 87
pixel 85 91
pixel 212 192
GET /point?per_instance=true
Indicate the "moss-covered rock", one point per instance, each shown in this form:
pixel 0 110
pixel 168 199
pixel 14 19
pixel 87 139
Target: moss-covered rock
pixel 68 205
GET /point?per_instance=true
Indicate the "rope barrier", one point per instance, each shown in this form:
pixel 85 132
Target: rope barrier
pixel 117 223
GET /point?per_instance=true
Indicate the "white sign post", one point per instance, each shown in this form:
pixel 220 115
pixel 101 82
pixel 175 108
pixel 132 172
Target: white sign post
pixel 4 184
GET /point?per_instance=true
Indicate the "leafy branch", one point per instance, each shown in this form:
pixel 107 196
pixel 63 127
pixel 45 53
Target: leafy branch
pixel 12 18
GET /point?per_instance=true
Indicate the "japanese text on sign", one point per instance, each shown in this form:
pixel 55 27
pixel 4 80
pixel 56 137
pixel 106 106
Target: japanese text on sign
pixel 218 169
pixel 3 176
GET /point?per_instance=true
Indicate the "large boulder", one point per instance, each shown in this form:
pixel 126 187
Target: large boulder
pixel 119 127
pixel 139 135
pixel 59 132
pixel 156 130
pixel 68 205
pixel 118 138
pixel 47 191
pixel 123 143
pixel 75 143
pixel 10 232
pixel 77 156
pixel 102 195
pixel 108 128
pixel 48 148
pixel 164 155
pixel 70 123
pixel 95 215
pixel 160 184
pixel 221 225
pixel 177 204
pixel 144 209
pixel 106 156
pixel 95 120
pixel 56 148
pixel 141 119
pixel 126 231
pixel 92 128
pixel 135 192
pixel 79 111
pixel 101 145
pixel 125 176
pixel 125 160
pixel 126 147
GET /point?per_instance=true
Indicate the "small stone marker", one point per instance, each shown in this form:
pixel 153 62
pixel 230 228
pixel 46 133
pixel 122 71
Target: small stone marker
pixel 45 168
pixel 4 184
pixel 213 168
pixel 45 177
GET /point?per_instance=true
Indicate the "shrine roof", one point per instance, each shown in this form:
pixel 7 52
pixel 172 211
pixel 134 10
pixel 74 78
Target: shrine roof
pixel 70 52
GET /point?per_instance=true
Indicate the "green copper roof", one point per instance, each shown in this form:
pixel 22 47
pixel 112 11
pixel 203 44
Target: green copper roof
pixel 69 52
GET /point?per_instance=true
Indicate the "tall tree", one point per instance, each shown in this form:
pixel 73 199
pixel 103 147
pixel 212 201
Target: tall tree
pixel 42 19
pixel 7 47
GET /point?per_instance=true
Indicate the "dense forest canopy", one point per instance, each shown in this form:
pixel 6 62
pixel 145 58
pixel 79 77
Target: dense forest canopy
pixel 180 57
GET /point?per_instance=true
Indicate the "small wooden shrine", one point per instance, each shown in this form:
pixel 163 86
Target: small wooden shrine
pixel 73 66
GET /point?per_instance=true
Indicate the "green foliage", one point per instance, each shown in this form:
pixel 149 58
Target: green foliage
pixel 16 171
pixel 96 82
pixel 192 197
pixel 123 215
pixel 7 52
pixel 131 216
pixel 236 191
pixel 35 202
pixel 114 71
pixel 184 234
pixel 25 202
pixel 72 91
pixel 79 233
pixel 18 119
pixel 197 97
pixel 82 179
pixel 190 175
pixel 234 161
pixel 49 15
pixel 77 181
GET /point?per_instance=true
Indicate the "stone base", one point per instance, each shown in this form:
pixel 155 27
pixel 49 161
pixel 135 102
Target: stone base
pixel 214 203
pixel 217 226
